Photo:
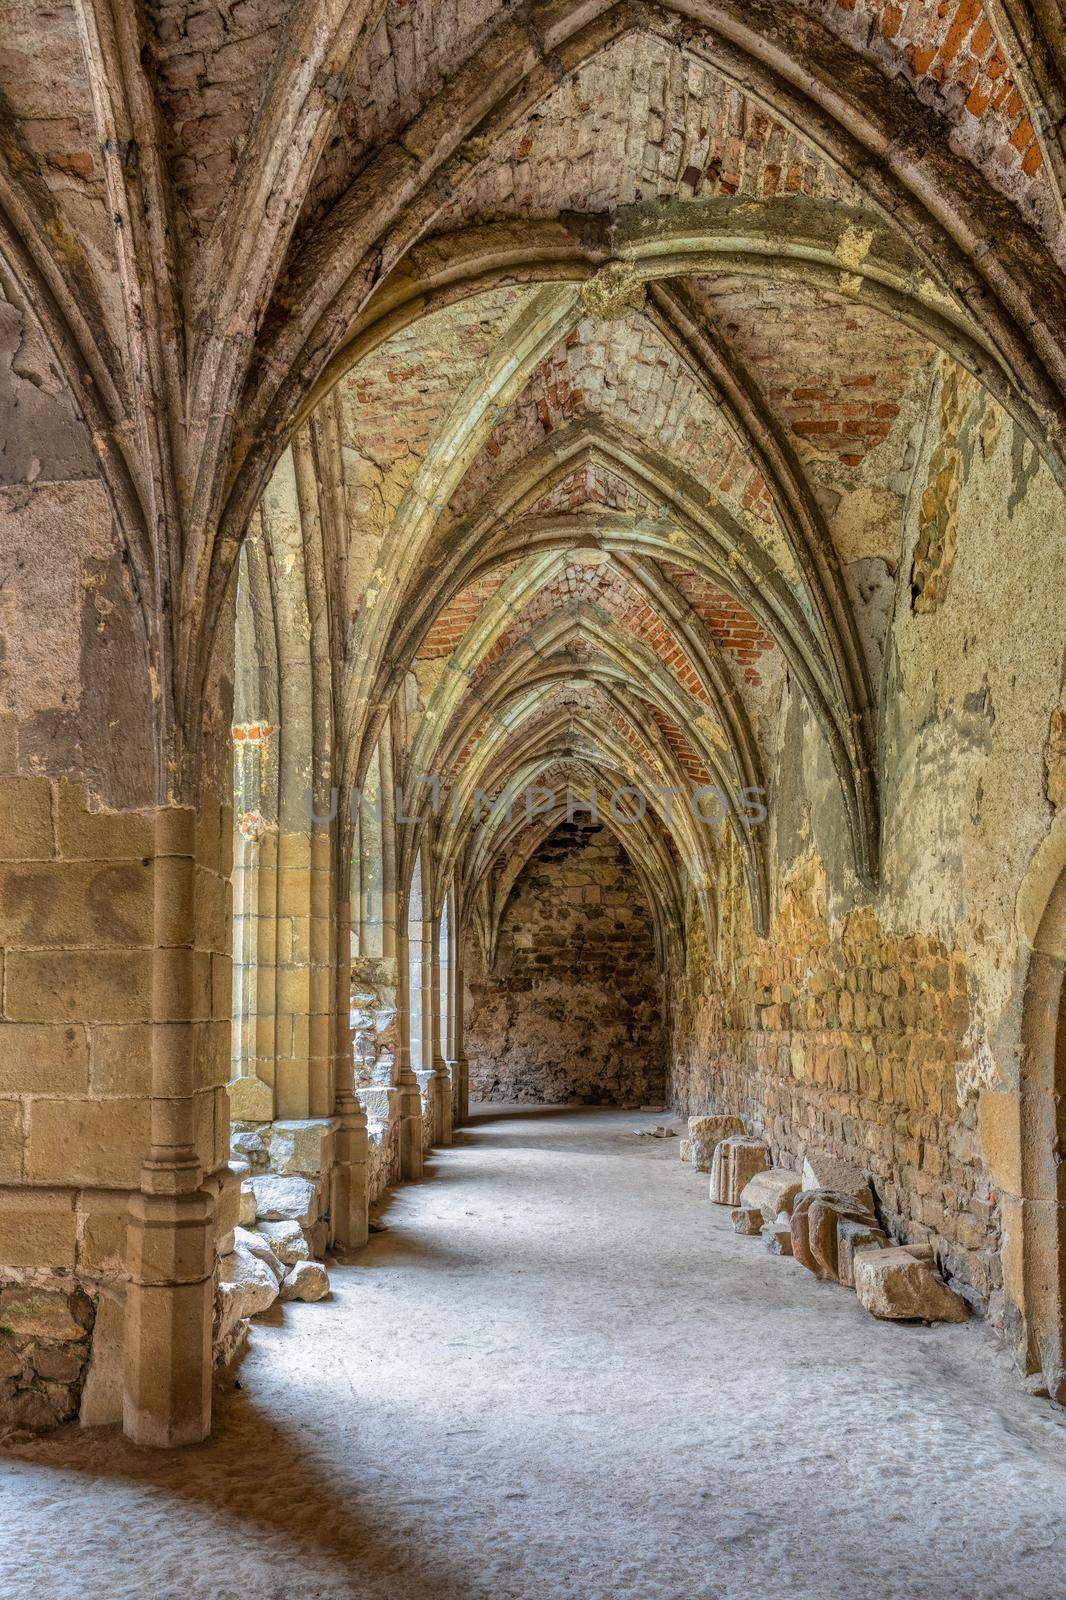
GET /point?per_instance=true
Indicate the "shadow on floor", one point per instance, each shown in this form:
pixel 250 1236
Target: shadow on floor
pixel 258 1488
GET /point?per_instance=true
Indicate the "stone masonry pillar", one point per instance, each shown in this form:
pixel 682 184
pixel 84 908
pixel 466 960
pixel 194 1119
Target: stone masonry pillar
pixel 443 1118
pixel 458 1065
pixel 410 1095
pixel 171 1228
pixel 349 1192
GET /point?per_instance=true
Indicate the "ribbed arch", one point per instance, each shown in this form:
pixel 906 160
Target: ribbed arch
pixel 540 659
pixel 697 532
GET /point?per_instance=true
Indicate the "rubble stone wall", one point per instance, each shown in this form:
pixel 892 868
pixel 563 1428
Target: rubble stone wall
pixel 572 1007
pixel 884 1023
pixel 842 1035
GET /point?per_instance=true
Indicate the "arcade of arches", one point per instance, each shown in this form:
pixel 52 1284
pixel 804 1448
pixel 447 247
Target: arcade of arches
pixel 656 412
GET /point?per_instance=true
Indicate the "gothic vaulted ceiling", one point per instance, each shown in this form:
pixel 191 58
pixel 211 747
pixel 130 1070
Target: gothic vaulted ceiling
pixel 609 329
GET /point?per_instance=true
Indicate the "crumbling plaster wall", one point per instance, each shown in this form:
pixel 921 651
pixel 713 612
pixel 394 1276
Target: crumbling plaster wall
pixel 572 1008
pixel 874 1023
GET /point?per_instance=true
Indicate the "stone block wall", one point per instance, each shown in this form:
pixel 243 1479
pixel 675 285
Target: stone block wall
pixel 93 904
pixel 572 1008
pixel 838 1034
pixel 282 1014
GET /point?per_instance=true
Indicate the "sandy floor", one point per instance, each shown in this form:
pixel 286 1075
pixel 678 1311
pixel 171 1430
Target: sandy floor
pixel 561 1374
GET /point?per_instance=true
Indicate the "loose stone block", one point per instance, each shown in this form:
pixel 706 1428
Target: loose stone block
pixel 249 1145
pixel 778 1235
pixel 246 1215
pixel 247 1286
pixel 250 1099
pixel 287 1240
pixel 285 1199
pixel 307 1280
pixel 821 1171
pixel 772 1191
pixel 705 1133
pixel 824 1216
pixel 814 1220
pixel 735 1162
pixel 853 1236
pixel 258 1245
pixel 746 1220
pixel 893 1285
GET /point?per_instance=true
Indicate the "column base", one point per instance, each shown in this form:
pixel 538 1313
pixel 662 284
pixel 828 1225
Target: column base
pixel 169 1313
pixel 460 1071
pixel 443 1109
pixel 349 1190
pixel 412 1157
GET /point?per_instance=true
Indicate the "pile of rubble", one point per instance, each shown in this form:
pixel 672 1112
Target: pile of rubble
pixel 825 1216
pixel 271 1256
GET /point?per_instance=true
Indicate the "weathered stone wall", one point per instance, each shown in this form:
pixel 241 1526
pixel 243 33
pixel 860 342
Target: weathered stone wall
pixel 113 910
pixel 572 1008
pixel 882 1025
pixel 94 904
pixel 843 1035
pixel 375 1027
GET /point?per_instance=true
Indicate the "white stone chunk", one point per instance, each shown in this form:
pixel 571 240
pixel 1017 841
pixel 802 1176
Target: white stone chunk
pixel 246 1215
pixel 287 1240
pixel 307 1280
pixel 285 1199
pixel 302 1146
pixel 259 1246
pixel 247 1285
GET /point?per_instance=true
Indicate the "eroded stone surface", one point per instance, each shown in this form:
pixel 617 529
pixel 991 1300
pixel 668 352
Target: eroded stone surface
pixel 735 1162
pixel 279 1199
pixel 894 1285
pixel 704 1135
pixel 305 1280
pixel 822 1171
pixel 772 1191
pixel 287 1240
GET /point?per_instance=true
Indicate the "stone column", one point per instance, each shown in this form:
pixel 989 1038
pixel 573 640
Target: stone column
pixel 443 1117
pixel 349 1192
pixel 171 1232
pixel 410 1095
pixel 458 1065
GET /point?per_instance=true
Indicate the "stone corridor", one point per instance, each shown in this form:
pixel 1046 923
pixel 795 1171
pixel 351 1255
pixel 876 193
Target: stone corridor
pixel 560 1373
pixel 532 559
